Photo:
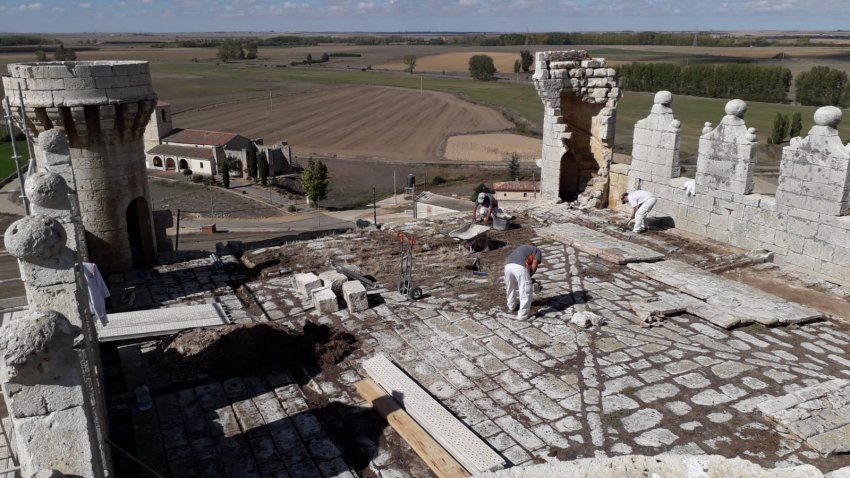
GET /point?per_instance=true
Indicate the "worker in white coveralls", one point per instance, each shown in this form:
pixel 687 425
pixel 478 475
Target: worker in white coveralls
pixel 485 209
pixel 641 202
pixel 520 266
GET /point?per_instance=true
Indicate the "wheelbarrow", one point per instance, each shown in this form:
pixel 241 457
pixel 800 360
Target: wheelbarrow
pixel 472 237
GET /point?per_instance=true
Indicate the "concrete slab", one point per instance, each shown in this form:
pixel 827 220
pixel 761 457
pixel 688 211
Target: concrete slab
pixel 743 303
pixel 818 415
pixel 599 244
pixel 150 323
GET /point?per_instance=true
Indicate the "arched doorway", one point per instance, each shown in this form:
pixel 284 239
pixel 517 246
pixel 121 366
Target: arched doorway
pixel 570 177
pixel 184 164
pixel 157 161
pixel 140 233
pixel 169 164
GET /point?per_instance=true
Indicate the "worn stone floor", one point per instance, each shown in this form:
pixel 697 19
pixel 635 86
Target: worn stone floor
pixel 536 390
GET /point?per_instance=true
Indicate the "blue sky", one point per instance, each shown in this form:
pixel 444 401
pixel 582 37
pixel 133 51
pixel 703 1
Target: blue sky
pixel 51 16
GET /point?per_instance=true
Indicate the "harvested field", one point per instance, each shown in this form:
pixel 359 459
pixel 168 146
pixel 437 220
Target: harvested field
pixel 457 61
pixel 492 147
pixel 353 121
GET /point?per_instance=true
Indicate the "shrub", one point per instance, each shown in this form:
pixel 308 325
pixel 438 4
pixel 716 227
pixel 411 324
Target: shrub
pixel 187 172
pixel 292 208
pixel 438 180
pixel 198 178
pixel 482 68
pixel 481 188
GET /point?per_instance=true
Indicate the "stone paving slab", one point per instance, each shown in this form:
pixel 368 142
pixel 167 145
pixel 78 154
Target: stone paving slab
pixel 745 303
pixel 818 415
pixel 599 244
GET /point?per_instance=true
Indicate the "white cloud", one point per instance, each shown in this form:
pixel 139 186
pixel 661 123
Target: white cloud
pixel 84 5
pixel 30 7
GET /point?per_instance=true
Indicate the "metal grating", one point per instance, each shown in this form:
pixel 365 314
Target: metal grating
pixel 467 448
pixel 149 323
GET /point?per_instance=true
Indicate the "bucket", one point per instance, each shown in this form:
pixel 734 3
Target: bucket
pixel 501 223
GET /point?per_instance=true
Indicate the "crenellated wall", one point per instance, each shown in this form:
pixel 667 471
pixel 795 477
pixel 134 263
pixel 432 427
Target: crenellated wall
pixel 806 224
pixel 580 96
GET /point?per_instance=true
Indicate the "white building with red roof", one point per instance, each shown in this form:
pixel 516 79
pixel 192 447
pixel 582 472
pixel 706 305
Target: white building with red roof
pixel 516 190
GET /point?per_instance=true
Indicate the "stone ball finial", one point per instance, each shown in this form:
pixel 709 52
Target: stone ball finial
pixel 663 97
pixel 675 124
pixel 736 108
pixel 35 237
pixel 30 342
pixel 706 128
pixel 751 135
pixel 828 116
pixel 53 141
pixel 47 190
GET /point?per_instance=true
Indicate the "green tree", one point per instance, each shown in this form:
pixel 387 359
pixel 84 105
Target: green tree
pixel 263 168
pixel 526 59
pixel 325 57
pixel 225 172
pixel 517 67
pixel 252 163
pixel 251 50
pixel 821 86
pixel 230 50
pixel 481 68
pixel 796 125
pixel 315 181
pixel 780 129
pixel 309 58
pixel 409 63
pixel 64 54
pixel 481 188
pixel 514 166
pixel 40 55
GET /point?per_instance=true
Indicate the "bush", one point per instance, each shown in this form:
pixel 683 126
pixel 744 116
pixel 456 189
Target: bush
pixel 187 172
pixel 292 208
pixel 438 180
pixel 481 188
pixel 198 178
pixel 482 68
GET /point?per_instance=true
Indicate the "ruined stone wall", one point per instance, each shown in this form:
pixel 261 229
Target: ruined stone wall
pixel 580 96
pixel 805 224
pixel 51 377
pixel 103 107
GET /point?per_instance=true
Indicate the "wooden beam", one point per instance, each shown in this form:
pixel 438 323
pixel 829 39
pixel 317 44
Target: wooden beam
pixel 435 456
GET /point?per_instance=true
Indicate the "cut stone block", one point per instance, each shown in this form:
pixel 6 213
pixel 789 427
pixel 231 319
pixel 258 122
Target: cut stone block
pixel 324 300
pixel 334 280
pixel 355 296
pixel 818 415
pixel 599 244
pixel 305 283
pixel 726 302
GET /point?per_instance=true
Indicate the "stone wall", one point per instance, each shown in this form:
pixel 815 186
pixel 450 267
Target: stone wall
pixel 806 224
pixel 580 96
pixel 103 107
pixel 51 375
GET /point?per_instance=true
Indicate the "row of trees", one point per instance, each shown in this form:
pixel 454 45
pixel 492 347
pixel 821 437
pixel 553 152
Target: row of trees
pixel 60 54
pixel 755 83
pixel 823 86
pixel 237 50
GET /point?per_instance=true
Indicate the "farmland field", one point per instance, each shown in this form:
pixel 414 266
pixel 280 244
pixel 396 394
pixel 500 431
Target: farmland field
pixel 7 165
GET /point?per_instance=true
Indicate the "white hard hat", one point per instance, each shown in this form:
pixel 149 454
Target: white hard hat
pixel 481 197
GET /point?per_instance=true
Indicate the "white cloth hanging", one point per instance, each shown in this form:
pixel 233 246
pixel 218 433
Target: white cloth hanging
pixel 98 292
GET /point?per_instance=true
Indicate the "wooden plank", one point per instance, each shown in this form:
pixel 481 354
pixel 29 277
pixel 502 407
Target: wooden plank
pixel 434 455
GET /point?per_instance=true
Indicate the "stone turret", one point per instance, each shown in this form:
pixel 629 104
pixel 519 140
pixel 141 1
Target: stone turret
pixel 103 107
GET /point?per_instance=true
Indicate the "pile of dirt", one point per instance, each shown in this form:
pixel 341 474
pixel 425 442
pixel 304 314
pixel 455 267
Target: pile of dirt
pixel 251 349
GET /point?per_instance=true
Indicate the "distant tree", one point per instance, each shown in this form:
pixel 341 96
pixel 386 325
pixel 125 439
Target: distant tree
pixel 252 163
pixel 225 172
pixel 822 86
pixel 514 166
pixel 263 168
pixel 230 50
pixel 251 50
pixel 780 129
pixel 309 58
pixel 40 55
pixel 527 59
pixel 481 188
pixel 64 54
pixel 315 181
pixel 517 66
pixel 796 125
pixel 325 57
pixel 409 63
pixel 482 68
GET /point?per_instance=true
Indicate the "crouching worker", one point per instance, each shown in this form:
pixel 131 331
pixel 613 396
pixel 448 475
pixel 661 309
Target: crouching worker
pixel 485 209
pixel 641 202
pixel 520 266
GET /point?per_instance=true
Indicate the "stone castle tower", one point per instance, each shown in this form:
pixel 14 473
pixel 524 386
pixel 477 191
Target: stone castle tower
pixel 159 126
pixel 103 107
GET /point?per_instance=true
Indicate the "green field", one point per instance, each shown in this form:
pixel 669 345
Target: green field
pixel 519 98
pixel 7 166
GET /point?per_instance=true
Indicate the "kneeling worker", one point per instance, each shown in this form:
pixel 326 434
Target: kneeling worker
pixel 485 209
pixel 641 202
pixel 521 264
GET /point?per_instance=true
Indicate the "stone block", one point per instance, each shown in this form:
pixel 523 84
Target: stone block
pixel 306 283
pixel 324 300
pixel 355 296
pixel 334 280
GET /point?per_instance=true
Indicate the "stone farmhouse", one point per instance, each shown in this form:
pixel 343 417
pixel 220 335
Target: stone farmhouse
pixel 202 152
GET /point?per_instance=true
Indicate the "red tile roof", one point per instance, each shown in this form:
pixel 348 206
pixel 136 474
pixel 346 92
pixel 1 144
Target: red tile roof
pixel 197 136
pixel 520 186
pixel 182 151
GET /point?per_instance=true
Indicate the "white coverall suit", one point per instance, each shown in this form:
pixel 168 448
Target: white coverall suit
pixel 518 279
pixel 646 200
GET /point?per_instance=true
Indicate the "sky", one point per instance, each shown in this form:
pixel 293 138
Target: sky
pixel 65 16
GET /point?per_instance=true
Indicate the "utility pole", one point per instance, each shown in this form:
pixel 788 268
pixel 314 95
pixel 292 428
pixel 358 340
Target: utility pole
pixel 420 85
pixel 395 196
pixel 177 239
pixel 374 208
pixel 271 105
